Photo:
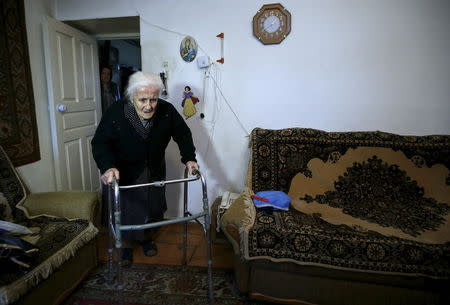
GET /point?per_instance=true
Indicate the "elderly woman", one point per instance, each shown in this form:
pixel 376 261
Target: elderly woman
pixel 129 144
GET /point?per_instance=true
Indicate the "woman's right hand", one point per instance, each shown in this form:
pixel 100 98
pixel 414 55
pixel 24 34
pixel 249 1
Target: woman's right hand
pixel 107 177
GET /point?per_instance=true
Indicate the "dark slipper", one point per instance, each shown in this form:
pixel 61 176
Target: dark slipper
pixel 149 249
pixel 127 256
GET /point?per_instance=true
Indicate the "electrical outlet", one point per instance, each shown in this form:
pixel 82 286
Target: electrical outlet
pixel 202 62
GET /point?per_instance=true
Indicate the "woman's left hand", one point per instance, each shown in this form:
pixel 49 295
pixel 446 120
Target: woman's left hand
pixel 192 166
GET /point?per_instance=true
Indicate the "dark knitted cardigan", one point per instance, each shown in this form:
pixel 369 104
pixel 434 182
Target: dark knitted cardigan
pixel 116 142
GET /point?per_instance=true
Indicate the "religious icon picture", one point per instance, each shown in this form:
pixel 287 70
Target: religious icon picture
pixel 188 49
pixel 188 103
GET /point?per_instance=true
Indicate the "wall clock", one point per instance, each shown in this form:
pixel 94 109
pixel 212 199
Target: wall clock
pixel 272 23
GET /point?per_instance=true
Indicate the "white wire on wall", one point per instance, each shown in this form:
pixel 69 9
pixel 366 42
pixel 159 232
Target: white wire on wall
pixel 207 70
pixel 170 31
pixel 211 79
pixel 216 106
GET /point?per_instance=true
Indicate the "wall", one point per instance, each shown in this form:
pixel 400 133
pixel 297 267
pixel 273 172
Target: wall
pixel 39 176
pixel 347 65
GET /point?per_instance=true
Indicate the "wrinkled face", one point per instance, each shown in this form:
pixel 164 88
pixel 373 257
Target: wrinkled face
pixel 145 101
pixel 105 77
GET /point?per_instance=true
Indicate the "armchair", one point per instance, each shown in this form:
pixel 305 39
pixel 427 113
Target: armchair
pixel 63 230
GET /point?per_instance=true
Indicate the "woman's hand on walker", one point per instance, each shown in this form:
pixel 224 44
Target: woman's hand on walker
pixel 107 177
pixel 192 167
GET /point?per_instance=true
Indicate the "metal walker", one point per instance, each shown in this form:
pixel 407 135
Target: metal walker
pixel 115 227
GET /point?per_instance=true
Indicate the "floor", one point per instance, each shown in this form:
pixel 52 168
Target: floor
pixel 169 243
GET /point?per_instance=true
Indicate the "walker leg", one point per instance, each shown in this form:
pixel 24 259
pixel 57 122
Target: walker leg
pixel 184 258
pixel 118 244
pixel 120 284
pixel 110 275
pixel 185 227
pixel 207 227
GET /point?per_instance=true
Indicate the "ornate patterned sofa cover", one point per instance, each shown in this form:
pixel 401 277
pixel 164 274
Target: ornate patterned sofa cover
pixel 58 239
pixel 371 202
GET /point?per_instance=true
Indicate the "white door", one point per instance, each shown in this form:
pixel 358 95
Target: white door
pixel 71 59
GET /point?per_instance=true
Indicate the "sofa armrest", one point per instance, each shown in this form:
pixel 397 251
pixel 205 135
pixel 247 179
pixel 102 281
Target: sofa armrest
pixel 71 205
pixel 232 234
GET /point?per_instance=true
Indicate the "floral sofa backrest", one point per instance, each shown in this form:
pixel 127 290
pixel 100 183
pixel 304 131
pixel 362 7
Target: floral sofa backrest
pixel 278 155
pixel 395 185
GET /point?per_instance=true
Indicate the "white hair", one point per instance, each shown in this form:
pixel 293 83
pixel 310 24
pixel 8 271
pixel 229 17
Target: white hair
pixel 142 79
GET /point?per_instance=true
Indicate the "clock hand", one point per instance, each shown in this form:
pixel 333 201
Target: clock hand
pixel 269 25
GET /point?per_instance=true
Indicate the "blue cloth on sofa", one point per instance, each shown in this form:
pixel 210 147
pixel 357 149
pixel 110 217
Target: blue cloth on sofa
pixel 275 199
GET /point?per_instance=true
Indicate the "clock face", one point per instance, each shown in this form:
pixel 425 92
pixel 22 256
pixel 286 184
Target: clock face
pixel 272 24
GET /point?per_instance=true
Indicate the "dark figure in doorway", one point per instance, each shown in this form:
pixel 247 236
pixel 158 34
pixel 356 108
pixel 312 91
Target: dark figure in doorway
pixel 110 93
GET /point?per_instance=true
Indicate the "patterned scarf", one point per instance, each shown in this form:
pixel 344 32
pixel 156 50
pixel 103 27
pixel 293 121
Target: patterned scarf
pixel 142 127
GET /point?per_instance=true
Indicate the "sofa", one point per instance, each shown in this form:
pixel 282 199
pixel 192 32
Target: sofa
pixel 369 221
pixel 62 236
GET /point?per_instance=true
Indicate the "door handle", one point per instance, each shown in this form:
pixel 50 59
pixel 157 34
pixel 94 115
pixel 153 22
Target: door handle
pixel 61 108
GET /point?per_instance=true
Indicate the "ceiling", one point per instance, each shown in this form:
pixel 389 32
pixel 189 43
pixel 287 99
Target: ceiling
pixel 108 28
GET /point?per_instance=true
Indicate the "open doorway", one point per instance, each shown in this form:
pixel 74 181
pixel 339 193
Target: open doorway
pixel 122 57
pixel 119 48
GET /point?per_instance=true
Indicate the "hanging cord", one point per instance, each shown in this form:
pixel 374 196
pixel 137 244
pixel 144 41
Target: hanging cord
pixel 229 106
pixel 206 94
pixel 171 31
pixel 216 110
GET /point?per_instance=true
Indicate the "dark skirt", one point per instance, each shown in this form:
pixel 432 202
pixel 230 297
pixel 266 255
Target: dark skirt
pixel 138 206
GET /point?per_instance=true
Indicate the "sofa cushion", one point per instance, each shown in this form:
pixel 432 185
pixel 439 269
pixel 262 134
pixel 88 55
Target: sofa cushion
pixel 238 218
pixel 378 189
pixel 241 212
pixel 69 204
pixel 307 239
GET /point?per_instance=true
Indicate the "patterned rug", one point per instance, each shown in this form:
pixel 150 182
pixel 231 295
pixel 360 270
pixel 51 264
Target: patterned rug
pixel 18 129
pixel 159 285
